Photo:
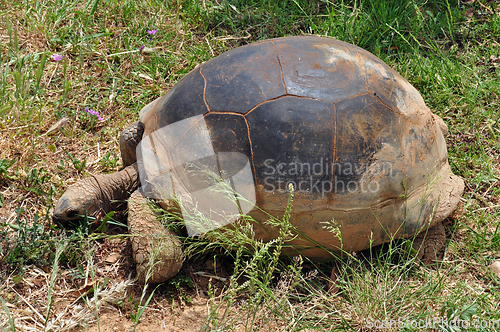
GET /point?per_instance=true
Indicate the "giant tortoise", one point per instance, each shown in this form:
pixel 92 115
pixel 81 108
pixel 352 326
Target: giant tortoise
pixel 352 138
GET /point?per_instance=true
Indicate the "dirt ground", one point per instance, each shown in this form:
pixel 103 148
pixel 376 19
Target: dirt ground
pixel 188 319
pixel 180 305
pixel 186 308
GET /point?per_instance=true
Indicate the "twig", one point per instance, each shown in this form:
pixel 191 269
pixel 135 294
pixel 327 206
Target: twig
pixel 59 124
pixel 232 38
pixel 208 275
pixel 145 50
pixel 209 46
pixel 17 127
pixel 120 53
pixel 52 76
pixel 31 307
pixel 485 7
pixel 487 208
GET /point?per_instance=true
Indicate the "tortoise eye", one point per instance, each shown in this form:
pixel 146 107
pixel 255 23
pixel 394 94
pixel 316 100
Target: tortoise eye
pixel 72 214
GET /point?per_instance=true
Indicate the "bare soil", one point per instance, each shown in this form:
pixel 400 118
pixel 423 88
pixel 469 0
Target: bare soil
pixel 190 319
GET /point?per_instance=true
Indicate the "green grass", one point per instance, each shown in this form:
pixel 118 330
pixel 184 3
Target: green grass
pixel 449 51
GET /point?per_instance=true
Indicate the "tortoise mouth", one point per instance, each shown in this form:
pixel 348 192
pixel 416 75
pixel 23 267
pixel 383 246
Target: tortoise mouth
pixel 61 222
pixel 67 223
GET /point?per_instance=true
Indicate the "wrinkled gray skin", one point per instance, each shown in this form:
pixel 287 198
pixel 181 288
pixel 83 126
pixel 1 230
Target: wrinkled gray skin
pixel 98 195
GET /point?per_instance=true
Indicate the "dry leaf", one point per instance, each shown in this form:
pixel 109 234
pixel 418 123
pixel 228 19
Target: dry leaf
pixel 112 258
pixel 59 124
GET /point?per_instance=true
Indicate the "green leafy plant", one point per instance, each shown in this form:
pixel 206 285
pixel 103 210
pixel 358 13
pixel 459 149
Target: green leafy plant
pixel 176 285
pixel 109 162
pixel 77 163
pixel 27 244
pixel 4 166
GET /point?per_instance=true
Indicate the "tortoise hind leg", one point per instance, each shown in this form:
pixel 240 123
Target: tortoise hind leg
pixel 129 138
pixel 429 242
pixel 157 251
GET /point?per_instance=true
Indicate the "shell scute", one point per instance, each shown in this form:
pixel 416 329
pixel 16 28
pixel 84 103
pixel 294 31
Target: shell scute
pixel 184 100
pixel 241 78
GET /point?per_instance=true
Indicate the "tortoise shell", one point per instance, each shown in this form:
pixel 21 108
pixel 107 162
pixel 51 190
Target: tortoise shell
pixel 355 141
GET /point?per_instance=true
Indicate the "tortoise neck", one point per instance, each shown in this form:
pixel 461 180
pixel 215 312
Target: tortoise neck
pixel 117 187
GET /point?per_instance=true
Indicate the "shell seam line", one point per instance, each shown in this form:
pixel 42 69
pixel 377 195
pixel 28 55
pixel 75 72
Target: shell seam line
pixel 291 95
pixel 204 88
pixel 281 68
pixel 381 101
pixel 251 150
pixel 283 96
pixel 330 198
pixel 224 112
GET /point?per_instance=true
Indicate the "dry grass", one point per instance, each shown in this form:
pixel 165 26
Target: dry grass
pixel 102 69
pixel 68 311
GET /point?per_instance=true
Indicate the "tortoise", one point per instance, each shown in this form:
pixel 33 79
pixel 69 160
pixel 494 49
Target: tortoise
pixel 324 118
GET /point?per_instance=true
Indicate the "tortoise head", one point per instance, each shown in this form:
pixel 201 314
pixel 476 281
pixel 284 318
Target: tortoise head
pixel 77 202
pixel 96 195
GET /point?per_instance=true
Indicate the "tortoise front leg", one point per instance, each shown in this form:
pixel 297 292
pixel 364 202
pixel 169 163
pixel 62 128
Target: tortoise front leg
pixel 157 250
pixel 129 138
pixel 429 242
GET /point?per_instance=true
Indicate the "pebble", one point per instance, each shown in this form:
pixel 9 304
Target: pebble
pixel 495 268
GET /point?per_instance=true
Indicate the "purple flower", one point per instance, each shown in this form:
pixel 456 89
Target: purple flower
pixel 57 57
pixel 141 48
pixel 90 111
pixel 152 32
